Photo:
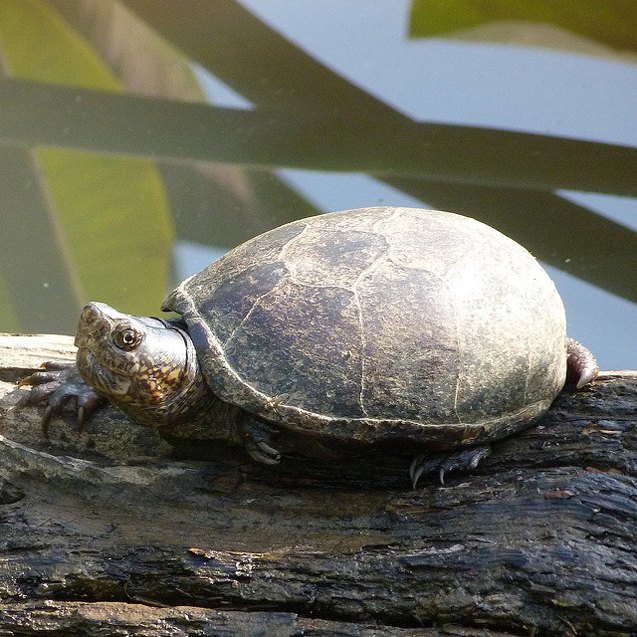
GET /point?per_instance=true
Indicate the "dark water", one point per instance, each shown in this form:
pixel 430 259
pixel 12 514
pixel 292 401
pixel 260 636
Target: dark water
pixel 138 142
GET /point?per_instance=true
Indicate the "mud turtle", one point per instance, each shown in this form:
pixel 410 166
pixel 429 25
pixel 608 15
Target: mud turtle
pixel 411 328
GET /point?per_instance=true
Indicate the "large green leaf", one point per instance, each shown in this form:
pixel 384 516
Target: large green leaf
pixel 173 131
pixel 611 22
pixel 39 282
pixel 215 203
pixel 111 213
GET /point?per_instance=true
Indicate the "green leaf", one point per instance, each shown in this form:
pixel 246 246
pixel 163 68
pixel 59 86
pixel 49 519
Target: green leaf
pixel 111 213
pixel 217 203
pixel 173 131
pixel 114 216
pixel 611 22
pixel 38 278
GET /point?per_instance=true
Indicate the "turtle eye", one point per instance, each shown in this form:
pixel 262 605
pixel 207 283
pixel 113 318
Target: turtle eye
pixel 126 338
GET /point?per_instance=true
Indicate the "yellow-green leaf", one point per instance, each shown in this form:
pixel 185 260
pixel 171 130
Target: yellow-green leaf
pixel 111 212
pixel 611 22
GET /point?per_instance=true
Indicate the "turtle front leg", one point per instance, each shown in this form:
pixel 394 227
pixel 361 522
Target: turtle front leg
pixel 257 436
pixel 581 365
pixel 57 386
pixel 464 460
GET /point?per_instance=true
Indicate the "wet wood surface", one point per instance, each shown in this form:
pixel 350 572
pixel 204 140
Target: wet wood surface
pixel 114 532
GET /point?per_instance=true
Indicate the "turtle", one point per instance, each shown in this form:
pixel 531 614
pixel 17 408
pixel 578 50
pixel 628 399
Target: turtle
pixel 383 327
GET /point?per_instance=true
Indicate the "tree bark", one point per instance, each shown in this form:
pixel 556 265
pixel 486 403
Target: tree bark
pixel 113 532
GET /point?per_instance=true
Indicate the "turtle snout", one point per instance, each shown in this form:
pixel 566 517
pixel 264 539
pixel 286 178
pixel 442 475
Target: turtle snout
pixel 94 323
pixel 90 313
pixel 94 311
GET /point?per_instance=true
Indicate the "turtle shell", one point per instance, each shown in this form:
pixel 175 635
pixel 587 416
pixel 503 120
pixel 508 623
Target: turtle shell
pixel 381 324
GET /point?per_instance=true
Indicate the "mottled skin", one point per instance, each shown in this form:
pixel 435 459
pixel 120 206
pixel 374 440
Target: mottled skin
pixel 392 327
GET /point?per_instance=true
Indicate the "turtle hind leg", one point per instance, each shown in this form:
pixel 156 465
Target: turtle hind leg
pixel 463 460
pixel 257 436
pixel 581 366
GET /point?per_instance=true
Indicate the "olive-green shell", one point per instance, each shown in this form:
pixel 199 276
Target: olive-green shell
pixel 381 324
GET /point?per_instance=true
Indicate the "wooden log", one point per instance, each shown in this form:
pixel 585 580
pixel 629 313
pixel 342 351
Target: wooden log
pixel 111 530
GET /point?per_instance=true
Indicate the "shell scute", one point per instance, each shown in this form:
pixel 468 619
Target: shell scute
pixel 232 301
pixel 409 345
pixel 313 343
pixel 330 257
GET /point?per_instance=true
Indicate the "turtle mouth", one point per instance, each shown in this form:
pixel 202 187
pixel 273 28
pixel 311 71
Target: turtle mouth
pixel 101 376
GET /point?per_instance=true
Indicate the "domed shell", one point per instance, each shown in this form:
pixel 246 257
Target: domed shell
pixel 381 324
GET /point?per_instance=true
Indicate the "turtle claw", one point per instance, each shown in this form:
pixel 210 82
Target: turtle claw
pixel 257 436
pixel 49 414
pixel 264 453
pixel 81 418
pixel 50 372
pixel 463 460
pixel 581 364
pixel 57 386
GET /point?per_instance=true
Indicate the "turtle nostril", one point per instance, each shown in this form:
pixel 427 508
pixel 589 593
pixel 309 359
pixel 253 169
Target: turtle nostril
pixel 88 314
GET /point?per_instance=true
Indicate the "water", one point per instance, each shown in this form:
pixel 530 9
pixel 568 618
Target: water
pixel 258 113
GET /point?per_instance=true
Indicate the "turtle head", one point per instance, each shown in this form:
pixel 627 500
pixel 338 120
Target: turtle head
pixel 145 365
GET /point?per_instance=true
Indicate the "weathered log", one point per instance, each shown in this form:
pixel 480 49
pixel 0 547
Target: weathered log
pixel 110 530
